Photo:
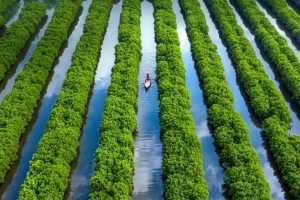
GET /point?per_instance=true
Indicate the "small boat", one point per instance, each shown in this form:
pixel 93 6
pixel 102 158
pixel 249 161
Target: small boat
pixel 147 83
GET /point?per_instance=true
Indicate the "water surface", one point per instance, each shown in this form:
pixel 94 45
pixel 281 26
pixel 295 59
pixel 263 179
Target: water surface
pixel 280 28
pixel 242 106
pixel 7 83
pixel 147 178
pixel 11 187
pixel 83 171
pixel 273 74
pixel 213 171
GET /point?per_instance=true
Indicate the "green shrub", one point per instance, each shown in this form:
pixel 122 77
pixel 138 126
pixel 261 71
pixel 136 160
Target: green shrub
pixel 58 146
pixel 244 178
pixel 114 161
pixel 276 123
pixel 288 17
pixel 18 106
pixel 17 35
pixel 183 172
pixel 4 4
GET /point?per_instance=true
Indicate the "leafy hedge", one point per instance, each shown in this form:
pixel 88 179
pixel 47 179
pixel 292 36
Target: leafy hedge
pixel 2 21
pixel 17 35
pixel 264 97
pixel 18 106
pixel 244 178
pixel 288 17
pixel 4 4
pixel 114 161
pixel 282 147
pixel 50 167
pixel 274 45
pixel 183 172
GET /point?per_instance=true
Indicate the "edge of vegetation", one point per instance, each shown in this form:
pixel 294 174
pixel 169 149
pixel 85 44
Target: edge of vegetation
pixel 17 35
pixel 50 167
pixel 4 4
pixel 18 106
pixel 275 124
pixel 183 171
pixel 114 160
pixel 287 16
pixel 244 177
pixel 274 45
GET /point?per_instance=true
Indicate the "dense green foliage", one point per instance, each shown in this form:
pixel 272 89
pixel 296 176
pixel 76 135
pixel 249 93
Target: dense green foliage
pixel 183 172
pixel 4 4
pixel 114 162
pixel 2 21
pixel 275 122
pixel 48 176
pixel 18 106
pixel 244 178
pixel 17 35
pixel 288 17
pixel 274 45
pixel 264 97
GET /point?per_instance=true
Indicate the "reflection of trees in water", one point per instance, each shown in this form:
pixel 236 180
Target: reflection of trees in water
pixel 115 1
pixel 11 10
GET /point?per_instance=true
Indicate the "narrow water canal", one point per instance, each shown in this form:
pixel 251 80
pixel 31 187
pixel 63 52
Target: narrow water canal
pixel 294 109
pixel 81 175
pixel 280 28
pixel 8 82
pixel 12 185
pixel 13 12
pixel 214 173
pixel 147 178
pixel 243 108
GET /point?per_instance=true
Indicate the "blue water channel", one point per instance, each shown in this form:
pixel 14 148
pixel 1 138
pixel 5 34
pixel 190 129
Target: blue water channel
pixel 29 141
pixel 84 166
pixel 242 106
pixel 148 147
pixel 214 173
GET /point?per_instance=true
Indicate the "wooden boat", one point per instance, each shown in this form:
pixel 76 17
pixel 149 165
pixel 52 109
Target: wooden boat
pixel 147 83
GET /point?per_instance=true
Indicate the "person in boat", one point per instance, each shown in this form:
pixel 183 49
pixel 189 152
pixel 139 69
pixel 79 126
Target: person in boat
pixel 148 76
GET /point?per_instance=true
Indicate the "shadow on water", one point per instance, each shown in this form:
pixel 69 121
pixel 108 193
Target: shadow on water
pixel 271 70
pixel 12 13
pixel 243 107
pixel 29 140
pixel 214 173
pixel 293 7
pixel 280 28
pixel 7 83
pixel 83 165
pixel 147 178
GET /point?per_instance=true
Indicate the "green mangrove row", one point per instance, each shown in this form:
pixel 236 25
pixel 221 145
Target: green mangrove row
pixel 274 45
pixel 288 17
pixel 50 167
pixel 18 106
pixel 2 21
pixel 114 160
pixel 4 4
pixel 264 97
pixel 244 178
pixel 183 172
pixel 17 35
pixel 276 125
